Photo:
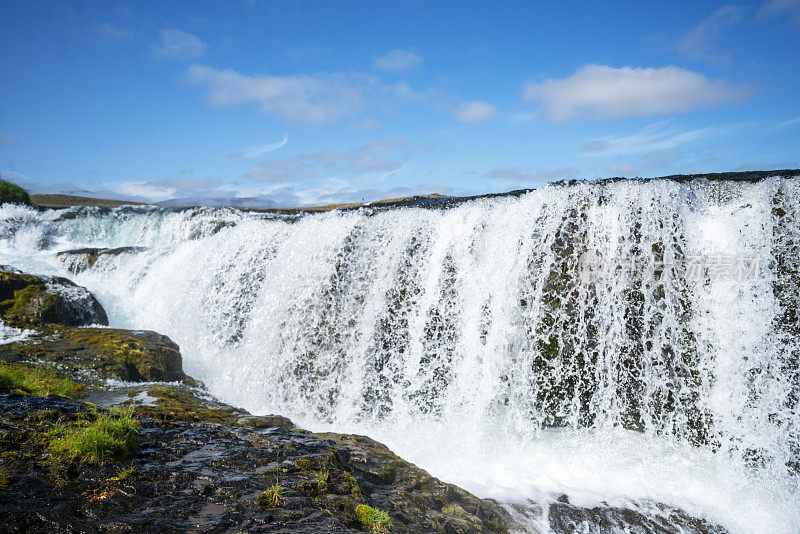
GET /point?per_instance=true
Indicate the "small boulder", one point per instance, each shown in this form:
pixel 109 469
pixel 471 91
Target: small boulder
pixel 130 355
pixel 30 300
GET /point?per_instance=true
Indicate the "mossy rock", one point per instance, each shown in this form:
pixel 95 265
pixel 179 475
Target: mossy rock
pixel 408 492
pixel 29 300
pixel 131 355
pixel 180 403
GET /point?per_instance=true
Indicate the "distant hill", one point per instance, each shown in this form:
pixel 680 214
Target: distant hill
pixel 65 201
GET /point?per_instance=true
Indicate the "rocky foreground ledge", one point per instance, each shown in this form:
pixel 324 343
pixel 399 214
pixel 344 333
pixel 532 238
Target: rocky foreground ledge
pixel 102 431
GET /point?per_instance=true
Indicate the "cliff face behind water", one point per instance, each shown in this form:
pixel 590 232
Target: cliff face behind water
pixel 505 343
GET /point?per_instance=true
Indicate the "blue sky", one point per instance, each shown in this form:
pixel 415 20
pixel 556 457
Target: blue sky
pixel 295 103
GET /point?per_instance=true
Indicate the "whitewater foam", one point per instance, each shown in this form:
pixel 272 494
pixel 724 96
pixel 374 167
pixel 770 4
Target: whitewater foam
pixel 472 342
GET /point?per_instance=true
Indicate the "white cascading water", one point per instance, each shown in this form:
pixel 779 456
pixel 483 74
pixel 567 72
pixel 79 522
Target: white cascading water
pixel 475 341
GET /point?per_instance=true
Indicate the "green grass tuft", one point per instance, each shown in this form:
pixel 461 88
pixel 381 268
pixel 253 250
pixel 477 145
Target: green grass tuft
pixel 374 520
pixel 123 474
pixel 110 437
pixel 39 382
pixel 273 496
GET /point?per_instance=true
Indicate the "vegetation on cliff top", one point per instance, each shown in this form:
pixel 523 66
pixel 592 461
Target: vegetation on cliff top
pixel 13 193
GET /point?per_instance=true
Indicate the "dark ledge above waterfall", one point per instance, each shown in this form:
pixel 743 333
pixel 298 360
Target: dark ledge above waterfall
pixel 193 463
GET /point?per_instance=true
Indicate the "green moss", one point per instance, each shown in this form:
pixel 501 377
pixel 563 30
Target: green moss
pixel 111 437
pixel 305 464
pixel 351 483
pixel 181 405
pixel 322 481
pixel 121 354
pixel 317 487
pixel 372 519
pixel 32 305
pixel 11 282
pixel 387 473
pixel 5 481
pixel 39 382
pixel 13 193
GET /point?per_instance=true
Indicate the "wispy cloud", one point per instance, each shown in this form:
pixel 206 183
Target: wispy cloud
pixel 379 159
pixel 784 124
pixel 256 151
pixel 281 171
pixel 178 44
pixel 657 136
pixel 6 139
pixel 306 98
pixel 303 98
pixel 476 111
pixel 115 33
pixel 777 8
pixel 375 156
pixel 600 91
pixel 700 43
pixel 515 174
pixel 397 60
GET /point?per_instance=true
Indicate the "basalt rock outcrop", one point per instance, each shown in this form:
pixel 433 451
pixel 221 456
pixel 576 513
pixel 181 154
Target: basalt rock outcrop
pixel 30 300
pixel 79 260
pixel 130 355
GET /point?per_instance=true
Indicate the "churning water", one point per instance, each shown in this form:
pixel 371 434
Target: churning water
pixel 620 342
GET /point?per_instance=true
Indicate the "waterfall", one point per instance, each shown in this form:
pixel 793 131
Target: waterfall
pixel 621 342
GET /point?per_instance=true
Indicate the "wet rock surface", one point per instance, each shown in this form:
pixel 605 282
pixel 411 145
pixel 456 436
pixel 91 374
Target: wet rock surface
pixel 79 260
pixel 131 355
pixel 30 300
pixel 205 476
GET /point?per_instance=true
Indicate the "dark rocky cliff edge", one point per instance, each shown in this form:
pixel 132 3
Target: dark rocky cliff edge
pixel 102 431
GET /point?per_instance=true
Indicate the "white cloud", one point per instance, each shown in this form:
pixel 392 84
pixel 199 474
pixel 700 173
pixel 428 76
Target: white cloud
pixel 700 42
pixel 600 91
pixel 397 60
pixel 776 8
pixel 162 189
pixel 257 151
pixel 140 188
pixel 476 111
pixel 512 173
pixel 304 98
pixel 178 44
pixel 656 136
